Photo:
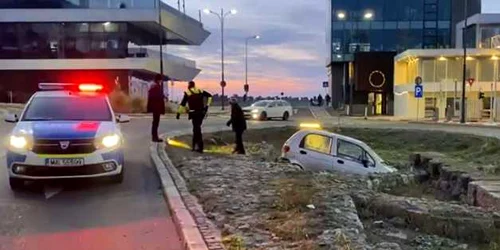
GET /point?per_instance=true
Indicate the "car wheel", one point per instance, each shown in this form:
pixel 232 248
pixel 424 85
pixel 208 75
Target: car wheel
pixel 16 184
pixel 286 115
pixel 263 116
pixel 119 177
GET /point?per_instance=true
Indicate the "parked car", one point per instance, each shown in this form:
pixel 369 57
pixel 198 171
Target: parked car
pixel 320 150
pixel 268 109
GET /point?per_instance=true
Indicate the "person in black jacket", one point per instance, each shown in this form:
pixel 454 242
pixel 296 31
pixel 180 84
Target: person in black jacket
pixel 239 126
pixel 156 105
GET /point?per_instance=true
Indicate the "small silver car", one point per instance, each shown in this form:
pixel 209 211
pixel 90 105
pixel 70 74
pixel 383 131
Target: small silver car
pixel 320 150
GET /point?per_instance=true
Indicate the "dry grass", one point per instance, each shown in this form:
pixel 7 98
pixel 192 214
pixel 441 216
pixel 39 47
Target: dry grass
pixel 295 193
pixel 289 225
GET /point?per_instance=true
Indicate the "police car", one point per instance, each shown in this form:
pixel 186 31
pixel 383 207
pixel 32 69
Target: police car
pixel 66 131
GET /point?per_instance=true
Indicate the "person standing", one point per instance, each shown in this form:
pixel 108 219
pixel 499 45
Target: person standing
pixel 194 98
pixel 320 100
pixel 239 125
pixel 156 106
pixel 328 99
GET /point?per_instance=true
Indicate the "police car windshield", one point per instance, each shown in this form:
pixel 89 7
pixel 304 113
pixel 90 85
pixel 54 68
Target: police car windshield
pixel 260 104
pixel 69 108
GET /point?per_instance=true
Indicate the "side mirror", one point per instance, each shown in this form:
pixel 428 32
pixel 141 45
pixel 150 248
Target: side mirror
pixel 11 118
pixel 365 163
pixel 122 118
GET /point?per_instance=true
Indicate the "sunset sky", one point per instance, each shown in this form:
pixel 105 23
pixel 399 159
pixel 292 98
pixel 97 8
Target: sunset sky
pixel 290 57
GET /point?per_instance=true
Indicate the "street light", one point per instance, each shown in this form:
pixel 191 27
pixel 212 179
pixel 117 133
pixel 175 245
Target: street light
pixel 368 15
pixel 246 59
pixel 341 15
pixel 222 16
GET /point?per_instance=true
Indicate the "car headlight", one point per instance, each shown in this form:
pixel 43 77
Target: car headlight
pixel 18 142
pixel 111 141
pixel 255 111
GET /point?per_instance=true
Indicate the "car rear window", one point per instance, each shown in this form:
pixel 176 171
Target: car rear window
pixel 70 108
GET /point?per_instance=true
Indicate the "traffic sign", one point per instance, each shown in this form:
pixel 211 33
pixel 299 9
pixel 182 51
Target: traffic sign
pixel 223 84
pixel 471 81
pixel 418 80
pixel 419 91
pixel 325 84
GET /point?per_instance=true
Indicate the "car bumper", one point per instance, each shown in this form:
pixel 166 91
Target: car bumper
pixel 252 116
pixel 33 167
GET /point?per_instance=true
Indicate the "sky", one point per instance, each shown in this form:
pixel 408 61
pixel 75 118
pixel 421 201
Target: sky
pixel 290 57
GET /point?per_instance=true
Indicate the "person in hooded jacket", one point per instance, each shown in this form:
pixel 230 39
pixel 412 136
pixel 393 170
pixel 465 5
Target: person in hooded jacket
pixel 239 125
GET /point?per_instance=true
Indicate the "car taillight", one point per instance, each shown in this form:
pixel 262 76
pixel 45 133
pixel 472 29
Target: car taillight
pixel 286 149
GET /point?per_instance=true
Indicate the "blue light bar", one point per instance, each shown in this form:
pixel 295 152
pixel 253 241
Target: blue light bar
pixel 54 86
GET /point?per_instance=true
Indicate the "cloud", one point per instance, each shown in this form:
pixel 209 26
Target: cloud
pixel 285 52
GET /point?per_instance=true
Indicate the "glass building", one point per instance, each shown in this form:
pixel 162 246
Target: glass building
pixel 360 26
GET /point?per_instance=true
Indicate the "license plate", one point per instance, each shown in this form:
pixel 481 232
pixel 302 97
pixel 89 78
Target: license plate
pixel 70 162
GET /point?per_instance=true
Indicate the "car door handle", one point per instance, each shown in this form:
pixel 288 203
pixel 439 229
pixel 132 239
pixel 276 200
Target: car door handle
pixel 340 161
pixel 302 152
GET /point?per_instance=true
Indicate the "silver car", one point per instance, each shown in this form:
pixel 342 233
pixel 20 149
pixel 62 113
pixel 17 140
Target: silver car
pixel 320 150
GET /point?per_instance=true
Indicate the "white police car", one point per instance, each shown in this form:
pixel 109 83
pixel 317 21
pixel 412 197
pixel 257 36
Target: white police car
pixel 69 131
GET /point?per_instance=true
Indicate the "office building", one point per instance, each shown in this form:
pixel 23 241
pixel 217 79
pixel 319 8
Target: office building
pixel 90 41
pixel 375 26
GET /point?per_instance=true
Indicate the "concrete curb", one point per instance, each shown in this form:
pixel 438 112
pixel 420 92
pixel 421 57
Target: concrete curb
pixel 456 124
pixel 186 226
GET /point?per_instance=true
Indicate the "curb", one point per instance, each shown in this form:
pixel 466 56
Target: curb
pixel 186 226
pixel 456 124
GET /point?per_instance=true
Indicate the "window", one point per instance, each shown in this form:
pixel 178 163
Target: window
pixel 428 70
pixel 68 109
pixel 486 68
pixel 272 105
pixel 318 143
pixel 350 150
pixel 279 104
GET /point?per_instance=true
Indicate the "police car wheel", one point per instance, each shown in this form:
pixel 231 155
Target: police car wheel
pixel 16 184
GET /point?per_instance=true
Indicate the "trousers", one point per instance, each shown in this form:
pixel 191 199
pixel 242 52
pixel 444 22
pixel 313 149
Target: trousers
pixel 155 125
pixel 197 121
pixel 240 149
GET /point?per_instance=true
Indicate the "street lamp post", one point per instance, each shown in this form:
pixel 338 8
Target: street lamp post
pixel 222 16
pixel 161 46
pixel 462 108
pixel 246 59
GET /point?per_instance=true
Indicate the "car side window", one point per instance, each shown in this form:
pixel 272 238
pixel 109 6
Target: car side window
pixel 350 151
pixel 318 143
pixel 371 161
pixel 272 105
pixel 280 104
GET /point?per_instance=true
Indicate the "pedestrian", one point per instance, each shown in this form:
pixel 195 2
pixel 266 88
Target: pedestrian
pixel 239 125
pixel 194 98
pixel 320 100
pixel 156 106
pixel 328 99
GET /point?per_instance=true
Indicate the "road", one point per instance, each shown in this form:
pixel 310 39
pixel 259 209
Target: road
pixel 95 215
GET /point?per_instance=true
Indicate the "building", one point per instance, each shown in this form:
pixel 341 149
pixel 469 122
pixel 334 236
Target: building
pixel 483 31
pixel 90 41
pixel 384 26
pixel 442 73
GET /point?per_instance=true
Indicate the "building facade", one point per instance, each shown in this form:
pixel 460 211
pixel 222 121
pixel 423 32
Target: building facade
pixel 483 31
pixel 442 73
pixel 384 26
pixel 104 41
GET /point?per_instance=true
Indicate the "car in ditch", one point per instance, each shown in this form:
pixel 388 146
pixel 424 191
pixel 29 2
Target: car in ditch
pixel 268 109
pixel 319 150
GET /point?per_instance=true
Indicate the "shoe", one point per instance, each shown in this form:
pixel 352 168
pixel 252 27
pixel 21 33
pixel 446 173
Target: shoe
pixel 157 140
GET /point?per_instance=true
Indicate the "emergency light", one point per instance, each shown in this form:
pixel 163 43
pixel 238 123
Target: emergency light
pixel 83 87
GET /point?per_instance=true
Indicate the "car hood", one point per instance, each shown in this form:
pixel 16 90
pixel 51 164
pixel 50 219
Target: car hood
pixel 65 129
pixel 250 108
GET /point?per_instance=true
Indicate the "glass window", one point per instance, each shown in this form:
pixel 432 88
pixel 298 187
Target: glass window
pixel 430 24
pixel 444 9
pixel 486 68
pixel 97 27
pixel 428 70
pixel 390 25
pixel 319 143
pixel 68 109
pixel 338 25
pixel 403 25
pixel 444 24
pixel 441 70
pixel 417 25
pixel 111 27
pixel 9 41
pixel 349 150
pixel 471 69
pixel 363 25
pixel 455 69
pixel 377 25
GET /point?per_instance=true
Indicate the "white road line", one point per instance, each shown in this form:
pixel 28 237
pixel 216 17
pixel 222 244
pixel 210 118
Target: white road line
pixel 51 191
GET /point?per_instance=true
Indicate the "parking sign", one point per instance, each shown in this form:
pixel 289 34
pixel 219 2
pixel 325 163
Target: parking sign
pixel 419 91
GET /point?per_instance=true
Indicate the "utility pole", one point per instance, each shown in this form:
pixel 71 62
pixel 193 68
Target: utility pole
pixel 161 48
pixel 462 108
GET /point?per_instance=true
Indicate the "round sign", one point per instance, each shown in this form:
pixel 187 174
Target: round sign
pixel 223 84
pixel 418 80
pixel 471 81
pixel 377 79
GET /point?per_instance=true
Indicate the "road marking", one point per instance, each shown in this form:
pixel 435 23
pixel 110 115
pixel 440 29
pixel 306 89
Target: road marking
pixel 51 191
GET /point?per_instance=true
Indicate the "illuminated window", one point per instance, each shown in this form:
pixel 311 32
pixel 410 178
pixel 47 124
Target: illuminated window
pixel 319 143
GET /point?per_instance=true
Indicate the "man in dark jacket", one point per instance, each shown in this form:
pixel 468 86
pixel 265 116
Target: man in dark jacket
pixel 156 105
pixel 239 125
pixel 196 103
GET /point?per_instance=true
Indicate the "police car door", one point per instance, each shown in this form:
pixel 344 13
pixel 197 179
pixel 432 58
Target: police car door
pixel 315 152
pixel 349 157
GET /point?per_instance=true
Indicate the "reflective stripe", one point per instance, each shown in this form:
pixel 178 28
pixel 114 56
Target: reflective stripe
pixel 193 91
pixel 181 110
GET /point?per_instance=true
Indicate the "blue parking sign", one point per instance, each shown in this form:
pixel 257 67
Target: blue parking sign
pixel 419 91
